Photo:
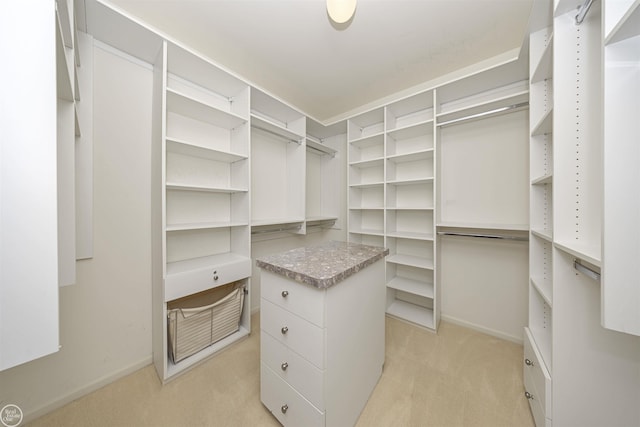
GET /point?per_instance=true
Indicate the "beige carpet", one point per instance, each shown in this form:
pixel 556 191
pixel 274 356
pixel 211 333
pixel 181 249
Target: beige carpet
pixel 458 377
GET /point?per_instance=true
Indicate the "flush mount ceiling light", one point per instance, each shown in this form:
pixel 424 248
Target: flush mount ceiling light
pixel 340 11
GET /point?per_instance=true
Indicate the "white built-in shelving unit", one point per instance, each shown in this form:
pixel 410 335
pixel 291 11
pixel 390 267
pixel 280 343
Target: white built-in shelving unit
pixel 482 202
pixel 324 175
pixel 277 165
pixel 575 371
pixel 203 180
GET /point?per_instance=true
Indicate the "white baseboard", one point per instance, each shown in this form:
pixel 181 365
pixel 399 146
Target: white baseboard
pixel 84 390
pixel 488 331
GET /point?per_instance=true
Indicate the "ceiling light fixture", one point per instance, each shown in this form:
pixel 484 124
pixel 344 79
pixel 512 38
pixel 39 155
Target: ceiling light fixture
pixel 340 11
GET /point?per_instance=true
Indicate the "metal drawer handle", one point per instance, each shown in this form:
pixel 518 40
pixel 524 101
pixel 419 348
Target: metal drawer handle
pixel 284 366
pixel 285 294
pixel 284 408
pixel 528 395
pixel 284 330
pixel 215 275
pixel 528 362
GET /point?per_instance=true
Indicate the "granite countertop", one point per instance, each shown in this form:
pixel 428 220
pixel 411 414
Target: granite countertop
pixel 323 265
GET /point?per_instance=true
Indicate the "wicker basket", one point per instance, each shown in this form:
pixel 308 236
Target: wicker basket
pixel 196 322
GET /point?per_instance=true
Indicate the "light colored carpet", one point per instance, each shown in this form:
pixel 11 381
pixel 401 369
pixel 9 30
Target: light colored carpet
pixel 458 377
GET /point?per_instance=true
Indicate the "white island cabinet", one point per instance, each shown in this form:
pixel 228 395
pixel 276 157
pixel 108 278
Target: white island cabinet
pixel 322 332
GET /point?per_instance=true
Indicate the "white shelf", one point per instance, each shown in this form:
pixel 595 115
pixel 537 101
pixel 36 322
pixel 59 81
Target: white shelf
pixel 173 369
pixel 410 235
pixel 411 181
pixel 367 141
pixel 179 146
pixel 411 261
pixel 543 234
pixel 204 225
pixel 545 125
pixel 369 163
pixel 544 179
pixel 421 316
pixel 64 86
pixel 544 69
pixel 371 232
pixel 410 157
pixel 367 185
pixel 275 221
pixel 263 123
pixel 412 208
pixel 204 188
pixel 537 282
pixel 586 252
pixel 485 226
pixel 317 146
pixel 415 287
pixel 627 26
pixel 185 105
pixel 361 208
pixel 411 131
pixel 482 107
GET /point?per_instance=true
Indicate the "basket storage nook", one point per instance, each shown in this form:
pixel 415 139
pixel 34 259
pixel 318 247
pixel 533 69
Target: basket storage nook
pixel 197 321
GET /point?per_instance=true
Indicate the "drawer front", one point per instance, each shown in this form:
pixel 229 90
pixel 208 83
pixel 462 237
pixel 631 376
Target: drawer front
pixel 537 411
pixel 287 405
pixel 303 300
pixel 299 335
pixel 535 369
pixel 293 368
pixel 179 285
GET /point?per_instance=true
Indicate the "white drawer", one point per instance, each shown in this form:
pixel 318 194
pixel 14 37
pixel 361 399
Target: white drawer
pixel 180 284
pixel 536 410
pixel 536 372
pixel 303 300
pixel 293 368
pixel 287 405
pixel 299 335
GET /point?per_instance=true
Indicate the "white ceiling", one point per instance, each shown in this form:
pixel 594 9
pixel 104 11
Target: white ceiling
pixel 291 49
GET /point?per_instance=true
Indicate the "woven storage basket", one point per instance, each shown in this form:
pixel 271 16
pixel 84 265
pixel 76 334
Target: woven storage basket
pixel 191 329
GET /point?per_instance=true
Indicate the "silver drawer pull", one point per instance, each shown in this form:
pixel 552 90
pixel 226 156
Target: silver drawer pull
pixel 528 362
pixel 284 330
pixel 284 366
pixel 215 275
pixel 528 395
pixel 284 408
pixel 285 294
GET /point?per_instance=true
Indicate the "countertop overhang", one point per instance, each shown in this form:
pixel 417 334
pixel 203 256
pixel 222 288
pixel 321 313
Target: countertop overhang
pixel 322 265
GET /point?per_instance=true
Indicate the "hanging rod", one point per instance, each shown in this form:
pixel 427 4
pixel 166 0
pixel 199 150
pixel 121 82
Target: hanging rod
pixel 582 11
pixel 586 270
pixel 276 230
pixel 310 147
pixel 484 236
pixel 485 113
pixel 269 131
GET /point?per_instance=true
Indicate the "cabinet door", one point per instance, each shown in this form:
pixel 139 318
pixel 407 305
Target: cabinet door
pixel 28 194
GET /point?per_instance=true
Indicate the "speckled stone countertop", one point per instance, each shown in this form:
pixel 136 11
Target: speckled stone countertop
pixel 323 265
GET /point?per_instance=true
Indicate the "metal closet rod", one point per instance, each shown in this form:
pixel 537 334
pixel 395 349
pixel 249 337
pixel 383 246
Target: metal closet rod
pixel 582 11
pixel 485 113
pixel 276 230
pixel 484 236
pixel 586 270
pixel 276 134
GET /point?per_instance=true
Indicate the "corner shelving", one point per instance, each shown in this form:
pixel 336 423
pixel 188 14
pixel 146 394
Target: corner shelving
pixel 278 161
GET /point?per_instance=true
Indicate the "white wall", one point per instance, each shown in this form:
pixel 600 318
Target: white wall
pixel 105 318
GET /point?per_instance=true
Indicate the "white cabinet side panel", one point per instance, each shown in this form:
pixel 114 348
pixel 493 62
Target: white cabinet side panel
pixel 28 178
